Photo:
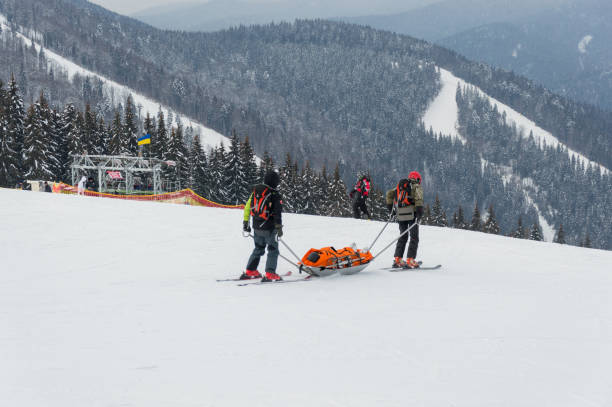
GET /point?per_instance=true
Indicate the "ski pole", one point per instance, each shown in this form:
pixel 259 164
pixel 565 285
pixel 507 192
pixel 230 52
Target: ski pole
pixel 395 240
pixel 383 229
pixel 248 234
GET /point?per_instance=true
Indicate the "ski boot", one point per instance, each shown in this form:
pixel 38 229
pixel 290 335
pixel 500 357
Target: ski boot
pixel 270 276
pixel 250 274
pixel 411 263
pixel 398 263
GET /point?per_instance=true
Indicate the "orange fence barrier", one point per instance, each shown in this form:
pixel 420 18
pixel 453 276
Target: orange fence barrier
pixel 183 197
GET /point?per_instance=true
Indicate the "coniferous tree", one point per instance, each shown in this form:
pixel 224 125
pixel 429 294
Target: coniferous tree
pixel 536 233
pixel 66 124
pixel 233 174
pixel 159 143
pixel 217 167
pixel 519 232
pixel 436 213
pixel 491 225
pixel 458 219
pixel 116 133
pixel 36 147
pixel 177 154
pixel 9 167
pixel 249 169
pixel 74 143
pixel 288 175
pixel 560 238
pixel 90 131
pixel 475 223
pixel 587 241
pixel 340 204
pixel 14 130
pixel 129 144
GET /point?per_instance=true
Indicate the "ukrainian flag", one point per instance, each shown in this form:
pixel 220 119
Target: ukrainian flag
pixel 146 139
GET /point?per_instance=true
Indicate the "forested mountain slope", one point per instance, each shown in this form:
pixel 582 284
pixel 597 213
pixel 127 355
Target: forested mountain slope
pixel 326 91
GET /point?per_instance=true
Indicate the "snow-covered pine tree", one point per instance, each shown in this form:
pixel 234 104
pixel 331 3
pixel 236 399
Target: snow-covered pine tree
pixel 320 188
pixel 491 225
pixel 519 232
pixel 103 136
pixel 217 166
pixel 536 233
pixel 200 174
pixel 376 205
pixel 9 166
pixel 233 175
pixel 90 131
pixel 14 120
pixel 340 204
pixel 560 237
pixel 129 143
pixel 66 125
pixel 249 169
pixel 36 160
pixel 436 213
pixel 159 141
pixel 176 153
pixel 308 181
pixel 116 132
pixel 475 224
pixel 287 187
pixel 267 164
pixel 57 143
pixel 458 219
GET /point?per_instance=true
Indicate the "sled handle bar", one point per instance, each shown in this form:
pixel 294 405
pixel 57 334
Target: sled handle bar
pixel 395 240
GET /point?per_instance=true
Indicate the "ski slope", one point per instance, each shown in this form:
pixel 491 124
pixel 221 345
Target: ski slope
pixel 442 117
pixel 114 303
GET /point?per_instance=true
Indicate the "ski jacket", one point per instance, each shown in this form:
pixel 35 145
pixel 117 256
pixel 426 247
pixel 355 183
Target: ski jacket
pixel 406 212
pixel 363 187
pixel 275 208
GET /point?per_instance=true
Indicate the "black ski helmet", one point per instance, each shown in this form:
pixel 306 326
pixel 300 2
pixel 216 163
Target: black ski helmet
pixel 272 179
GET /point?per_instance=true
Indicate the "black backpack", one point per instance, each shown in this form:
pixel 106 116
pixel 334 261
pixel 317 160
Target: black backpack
pixel 261 207
pixel 403 194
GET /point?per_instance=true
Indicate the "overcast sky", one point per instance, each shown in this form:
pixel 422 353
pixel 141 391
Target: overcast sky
pixel 131 6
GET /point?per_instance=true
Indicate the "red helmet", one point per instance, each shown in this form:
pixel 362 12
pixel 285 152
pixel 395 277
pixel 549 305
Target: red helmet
pixel 415 175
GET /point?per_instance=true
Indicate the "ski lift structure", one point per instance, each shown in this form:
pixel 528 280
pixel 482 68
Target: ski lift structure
pixel 116 173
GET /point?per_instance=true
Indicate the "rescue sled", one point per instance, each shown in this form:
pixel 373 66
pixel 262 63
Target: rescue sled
pixel 327 261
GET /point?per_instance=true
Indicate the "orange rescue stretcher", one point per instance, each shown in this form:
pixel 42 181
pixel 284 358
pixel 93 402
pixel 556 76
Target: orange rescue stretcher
pixel 326 261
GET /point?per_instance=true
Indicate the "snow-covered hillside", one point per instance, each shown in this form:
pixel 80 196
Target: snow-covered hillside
pixel 442 117
pixel 108 303
pixel 209 137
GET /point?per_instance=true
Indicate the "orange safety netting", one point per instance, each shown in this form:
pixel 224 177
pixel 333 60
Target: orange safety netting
pixel 183 197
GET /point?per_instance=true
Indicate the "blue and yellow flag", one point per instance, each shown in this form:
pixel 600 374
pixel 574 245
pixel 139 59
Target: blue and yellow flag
pixel 146 139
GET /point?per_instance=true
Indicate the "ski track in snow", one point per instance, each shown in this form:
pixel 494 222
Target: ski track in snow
pixel 209 137
pixel 442 117
pixel 101 306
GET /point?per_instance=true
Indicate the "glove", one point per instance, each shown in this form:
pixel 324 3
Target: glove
pixel 419 213
pixel 246 227
pixel 279 230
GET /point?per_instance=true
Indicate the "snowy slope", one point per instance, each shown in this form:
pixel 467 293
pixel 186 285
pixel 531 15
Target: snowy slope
pixel 442 117
pixel 209 137
pixel 114 303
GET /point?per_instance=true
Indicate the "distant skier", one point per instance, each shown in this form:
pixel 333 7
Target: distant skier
pixel 359 194
pixel 407 200
pixel 265 205
pixel 81 186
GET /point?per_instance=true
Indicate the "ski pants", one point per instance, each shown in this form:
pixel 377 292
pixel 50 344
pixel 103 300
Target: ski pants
pixel 359 205
pixel 414 239
pixel 262 239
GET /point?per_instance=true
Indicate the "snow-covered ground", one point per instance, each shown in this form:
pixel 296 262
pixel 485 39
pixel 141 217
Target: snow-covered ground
pixel 209 137
pixel 114 303
pixel 442 117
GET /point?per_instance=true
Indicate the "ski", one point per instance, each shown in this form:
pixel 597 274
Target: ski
pixel 287 274
pixel 308 278
pixel 436 267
